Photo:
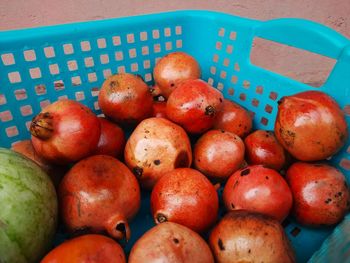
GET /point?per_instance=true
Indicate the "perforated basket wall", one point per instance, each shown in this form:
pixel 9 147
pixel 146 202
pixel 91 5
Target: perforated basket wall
pixel 40 66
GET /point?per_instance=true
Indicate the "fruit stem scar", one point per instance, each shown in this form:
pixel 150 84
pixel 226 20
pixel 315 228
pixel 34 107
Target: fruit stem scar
pixel 161 218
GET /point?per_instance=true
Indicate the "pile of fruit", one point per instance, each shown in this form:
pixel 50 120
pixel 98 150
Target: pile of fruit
pixel 186 141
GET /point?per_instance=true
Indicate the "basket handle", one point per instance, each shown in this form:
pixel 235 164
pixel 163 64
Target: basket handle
pixel 303 34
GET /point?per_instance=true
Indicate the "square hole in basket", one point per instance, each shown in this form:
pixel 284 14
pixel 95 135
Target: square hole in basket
pixel 96 106
pixel 79 96
pixel 35 73
pixel 345 163
pixel 76 80
pixel 146 64
pixel 347 110
pixel 229 49
pixel 223 74
pixel 104 58
pixel 226 62
pixel 231 91
pixel 58 85
pixel 234 79
pixel 143 36
pixel 119 56
pixel 63 97
pixel 44 103
pixel 259 89
pixel 132 53
pixel 121 69
pixel 236 67
pixel 8 59
pixel 89 62
pixel 26 110
pixel 246 84
pixel 85 45
pixel 145 50
pixel 273 95
pixel 148 77
pixel 220 86
pixel 130 38
pixel 167 31
pixel 218 45
pixel 264 121
pixel 68 49
pixel 29 55
pixel 155 34
pixel 72 65
pixel 21 94
pixel 233 35
pixel 40 89
pixel 179 43
pixel 95 91
pixel 6 116
pixel 242 96
pixel 255 102
pixel 210 81
pixel 178 30
pixel 213 70
pixel 116 40
pixel 168 45
pixel 49 52
pixel 156 48
pixel 221 32
pixel 107 73
pixel 268 108
pixel 101 43
pixel 134 67
pixel 11 131
pixel 2 99
pixel 54 69
pixel 215 58
pixel 14 77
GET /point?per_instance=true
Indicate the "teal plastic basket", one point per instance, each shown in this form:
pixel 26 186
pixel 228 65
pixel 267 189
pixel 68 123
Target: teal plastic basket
pixel 42 65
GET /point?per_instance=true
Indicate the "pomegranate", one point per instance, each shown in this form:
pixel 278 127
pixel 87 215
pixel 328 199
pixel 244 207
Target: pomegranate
pixel 99 194
pixel 55 172
pixel 258 189
pixel 218 154
pixel 112 139
pixel 185 196
pixel 174 68
pixel 155 147
pixel 125 98
pixel 171 243
pixel 263 148
pixel 86 249
pixel 159 109
pixel 234 118
pixel 65 131
pixel 320 192
pixel 310 125
pixel 194 105
pixel 243 236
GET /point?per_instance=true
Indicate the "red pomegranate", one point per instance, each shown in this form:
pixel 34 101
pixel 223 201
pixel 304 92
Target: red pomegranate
pixel 99 194
pixel 320 192
pixel 87 249
pixel 243 236
pixel 174 68
pixel 159 109
pixel 171 243
pixel 125 98
pixel 194 105
pixel 218 154
pixel 185 196
pixel 65 131
pixel 258 189
pixel 233 118
pixel 112 139
pixel 156 147
pixel 263 148
pixel 310 125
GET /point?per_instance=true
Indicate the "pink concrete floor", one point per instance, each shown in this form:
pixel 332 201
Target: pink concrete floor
pixel 333 13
